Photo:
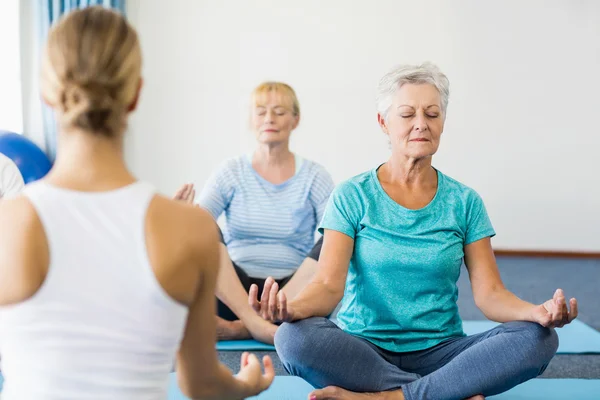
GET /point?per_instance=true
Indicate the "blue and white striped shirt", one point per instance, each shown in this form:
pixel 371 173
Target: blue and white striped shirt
pixel 269 229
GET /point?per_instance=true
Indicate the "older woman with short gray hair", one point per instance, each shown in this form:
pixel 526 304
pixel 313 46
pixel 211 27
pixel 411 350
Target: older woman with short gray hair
pixel 394 241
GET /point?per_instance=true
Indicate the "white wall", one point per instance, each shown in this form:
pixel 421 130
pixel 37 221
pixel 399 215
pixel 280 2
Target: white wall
pixel 522 124
pixel 10 74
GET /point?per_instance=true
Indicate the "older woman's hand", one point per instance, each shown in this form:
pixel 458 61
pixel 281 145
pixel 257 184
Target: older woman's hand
pixel 554 312
pixel 186 193
pixel 273 305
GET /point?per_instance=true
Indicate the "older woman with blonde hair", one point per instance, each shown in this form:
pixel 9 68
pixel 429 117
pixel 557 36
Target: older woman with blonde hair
pixel 272 200
pixel 104 283
pixel 394 241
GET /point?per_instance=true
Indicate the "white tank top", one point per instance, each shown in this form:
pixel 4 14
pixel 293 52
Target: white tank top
pixel 100 326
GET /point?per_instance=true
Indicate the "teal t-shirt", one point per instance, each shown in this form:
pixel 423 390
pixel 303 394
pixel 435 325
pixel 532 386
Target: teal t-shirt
pixel 401 288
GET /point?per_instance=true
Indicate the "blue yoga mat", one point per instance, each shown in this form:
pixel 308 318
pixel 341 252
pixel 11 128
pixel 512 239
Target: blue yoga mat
pixel 243 345
pixel 293 388
pixel 574 338
pixel 282 388
pixel 553 389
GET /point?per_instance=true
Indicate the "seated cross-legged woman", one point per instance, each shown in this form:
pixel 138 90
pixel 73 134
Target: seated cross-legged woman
pixel 272 200
pixel 394 241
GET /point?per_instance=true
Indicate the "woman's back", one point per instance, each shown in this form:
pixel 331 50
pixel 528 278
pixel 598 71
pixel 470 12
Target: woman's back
pixel 101 324
pixel 105 285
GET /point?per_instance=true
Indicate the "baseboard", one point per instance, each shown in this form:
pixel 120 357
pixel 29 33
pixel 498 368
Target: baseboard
pixel 546 254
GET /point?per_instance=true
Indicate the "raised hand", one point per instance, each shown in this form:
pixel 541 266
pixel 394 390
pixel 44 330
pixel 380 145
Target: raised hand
pixel 554 313
pixel 273 305
pixel 251 376
pixel 186 193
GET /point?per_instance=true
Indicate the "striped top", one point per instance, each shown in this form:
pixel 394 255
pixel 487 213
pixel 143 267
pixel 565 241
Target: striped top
pixel 269 229
pixel 11 180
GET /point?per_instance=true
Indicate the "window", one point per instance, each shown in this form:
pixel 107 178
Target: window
pixel 11 105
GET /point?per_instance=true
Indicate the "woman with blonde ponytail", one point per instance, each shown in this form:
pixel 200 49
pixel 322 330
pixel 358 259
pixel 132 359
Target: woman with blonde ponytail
pixel 103 282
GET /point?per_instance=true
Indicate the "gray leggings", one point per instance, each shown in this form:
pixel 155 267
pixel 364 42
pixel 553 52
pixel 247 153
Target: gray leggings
pixel 488 363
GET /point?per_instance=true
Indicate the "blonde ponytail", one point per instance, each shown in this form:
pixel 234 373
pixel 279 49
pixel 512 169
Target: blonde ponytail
pixel 91 70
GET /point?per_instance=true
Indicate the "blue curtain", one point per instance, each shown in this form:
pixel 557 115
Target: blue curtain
pixel 49 12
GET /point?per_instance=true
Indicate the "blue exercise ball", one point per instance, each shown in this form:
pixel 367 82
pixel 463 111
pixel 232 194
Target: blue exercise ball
pixel 29 158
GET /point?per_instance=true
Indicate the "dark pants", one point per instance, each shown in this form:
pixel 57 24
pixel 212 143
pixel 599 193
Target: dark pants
pixel 225 312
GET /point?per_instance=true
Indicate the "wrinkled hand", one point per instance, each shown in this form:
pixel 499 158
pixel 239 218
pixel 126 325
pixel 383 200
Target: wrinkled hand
pixel 251 376
pixel 554 312
pixel 273 305
pixel 186 193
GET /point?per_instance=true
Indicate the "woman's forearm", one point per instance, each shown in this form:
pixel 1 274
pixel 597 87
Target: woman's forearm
pixel 501 305
pixel 301 278
pixel 320 297
pixel 316 300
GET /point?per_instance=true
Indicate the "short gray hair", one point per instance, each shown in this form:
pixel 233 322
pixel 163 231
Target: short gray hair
pixel 415 74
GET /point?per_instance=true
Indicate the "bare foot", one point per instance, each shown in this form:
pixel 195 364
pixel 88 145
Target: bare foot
pixel 261 330
pixel 335 393
pixel 231 330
